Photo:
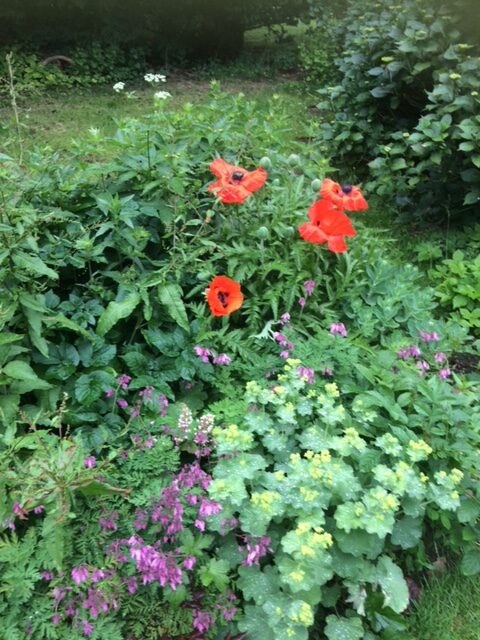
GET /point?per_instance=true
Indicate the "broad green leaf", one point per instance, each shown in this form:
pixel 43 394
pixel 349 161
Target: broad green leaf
pixel 19 370
pixel 344 628
pixel 171 296
pixel 59 320
pixel 470 564
pixel 34 265
pixel 392 582
pixel 117 311
pixel 407 532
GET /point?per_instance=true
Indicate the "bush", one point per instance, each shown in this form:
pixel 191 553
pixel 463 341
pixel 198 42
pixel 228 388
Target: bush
pixel 212 26
pixel 406 105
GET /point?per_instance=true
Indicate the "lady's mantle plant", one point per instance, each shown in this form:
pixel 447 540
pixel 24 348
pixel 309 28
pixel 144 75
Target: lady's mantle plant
pixel 328 506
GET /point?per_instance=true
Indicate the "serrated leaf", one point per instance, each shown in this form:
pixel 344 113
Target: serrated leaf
pixel 171 295
pixel 34 265
pixel 117 311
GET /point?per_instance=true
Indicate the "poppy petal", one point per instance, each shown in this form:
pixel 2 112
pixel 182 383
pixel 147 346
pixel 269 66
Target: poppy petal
pixel 337 244
pixel 221 169
pixel 254 180
pixel 312 233
pixel 224 296
pixel 332 221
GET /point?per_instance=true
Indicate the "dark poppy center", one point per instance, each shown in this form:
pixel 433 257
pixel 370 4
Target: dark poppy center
pixel 347 188
pixel 237 176
pixel 223 297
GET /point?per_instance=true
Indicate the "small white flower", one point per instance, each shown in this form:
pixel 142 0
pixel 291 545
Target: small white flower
pixel 154 77
pixel 119 86
pixel 94 132
pixel 162 95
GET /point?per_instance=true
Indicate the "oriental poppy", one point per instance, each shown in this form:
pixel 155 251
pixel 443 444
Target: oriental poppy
pixel 347 197
pixel 235 184
pixel 327 224
pixel 224 296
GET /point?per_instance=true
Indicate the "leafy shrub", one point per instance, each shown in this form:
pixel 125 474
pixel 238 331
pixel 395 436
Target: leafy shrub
pixel 213 26
pixel 406 104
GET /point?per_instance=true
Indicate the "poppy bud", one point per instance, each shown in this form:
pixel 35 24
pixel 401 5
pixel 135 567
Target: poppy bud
pixel 293 160
pixel 265 162
pixel 288 232
pixel 276 182
pixel 262 233
pixel 316 184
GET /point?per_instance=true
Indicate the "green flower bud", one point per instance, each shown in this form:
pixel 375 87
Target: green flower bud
pixel 262 233
pixel 293 160
pixel 265 162
pixel 316 184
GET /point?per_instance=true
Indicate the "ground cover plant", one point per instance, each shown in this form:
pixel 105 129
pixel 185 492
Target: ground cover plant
pixel 264 429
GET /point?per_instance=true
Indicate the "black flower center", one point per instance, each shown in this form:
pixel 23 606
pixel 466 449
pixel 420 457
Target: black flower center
pixel 237 176
pixel 347 188
pixel 223 297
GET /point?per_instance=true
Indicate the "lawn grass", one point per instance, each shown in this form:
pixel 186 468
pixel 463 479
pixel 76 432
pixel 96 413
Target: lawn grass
pixel 448 609
pixel 55 118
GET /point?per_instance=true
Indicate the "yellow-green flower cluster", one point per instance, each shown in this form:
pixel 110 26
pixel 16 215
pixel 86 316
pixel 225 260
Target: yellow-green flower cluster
pixel 232 438
pixel 418 450
pixel 265 500
pixel 306 541
pixel 302 614
pixel 349 442
pixel 389 444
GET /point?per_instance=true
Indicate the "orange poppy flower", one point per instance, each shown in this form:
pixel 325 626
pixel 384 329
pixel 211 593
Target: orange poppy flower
pixel 327 225
pixel 224 296
pixel 234 184
pixel 347 197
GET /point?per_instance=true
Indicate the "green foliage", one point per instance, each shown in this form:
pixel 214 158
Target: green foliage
pixel 104 263
pixel 458 288
pixel 406 104
pixel 92 64
pixel 349 486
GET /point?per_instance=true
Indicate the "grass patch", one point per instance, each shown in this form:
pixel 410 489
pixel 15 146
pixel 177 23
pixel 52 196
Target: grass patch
pixel 448 609
pixel 55 119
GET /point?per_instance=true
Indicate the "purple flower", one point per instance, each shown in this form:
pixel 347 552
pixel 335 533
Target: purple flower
pixel 414 351
pixel 338 328
pixel 146 393
pixel 109 393
pixel 18 510
pixel 209 508
pixel 444 373
pixel 429 337
pixel 280 338
pixel 80 574
pixel 423 366
pixel 308 375
pixel 97 575
pixel 46 575
pixel 56 619
pixel 203 353
pixel 284 354
pixel 302 302
pixel 124 381
pixel 189 562
pixel 202 621
pixel 229 614
pixel 327 372
pixel 440 357
pixel 284 319
pixel 123 404
pixel 222 359
pixel 39 509
pixel 131 583
pixel 256 549
pixel 163 403
pixel 309 286
pixel 87 628
pixel 89 462
pixel 200 524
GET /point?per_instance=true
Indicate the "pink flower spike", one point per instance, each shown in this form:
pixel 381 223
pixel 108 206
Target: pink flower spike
pixel 284 318
pixel 80 574
pixel 309 286
pixel 109 393
pixel 338 328
pixel 302 302
pixel 89 462
pixel 222 359
pixel 284 354
pixel 444 373
pixel 440 357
